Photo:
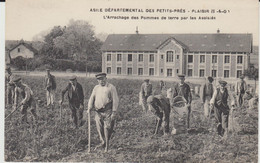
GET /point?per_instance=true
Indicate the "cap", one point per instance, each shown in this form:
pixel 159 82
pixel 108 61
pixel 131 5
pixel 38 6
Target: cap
pixel 73 77
pixel 7 68
pixel 47 69
pixel 16 79
pixel 146 80
pixel 242 77
pixel 222 82
pixel 101 75
pixel 181 75
pixel 210 79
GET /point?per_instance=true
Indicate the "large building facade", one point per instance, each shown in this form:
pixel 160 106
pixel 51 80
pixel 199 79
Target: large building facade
pixel 167 55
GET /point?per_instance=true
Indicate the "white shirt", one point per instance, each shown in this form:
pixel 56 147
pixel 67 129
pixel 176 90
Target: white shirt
pixel 102 95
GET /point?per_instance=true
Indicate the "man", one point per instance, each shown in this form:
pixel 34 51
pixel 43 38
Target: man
pixel 27 98
pixel 76 100
pixel 146 91
pixel 50 86
pixel 160 106
pixel 9 86
pixel 220 101
pixel 104 100
pixel 183 89
pixel 207 92
pixel 240 90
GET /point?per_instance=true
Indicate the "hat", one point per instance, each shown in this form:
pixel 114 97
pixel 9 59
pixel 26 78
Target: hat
pixel 72 77
pixel 15 79
pixel 101 75
pixel 210 79
pixel 242 77
pixel 181 75
pixel 146 80
pixel 222 82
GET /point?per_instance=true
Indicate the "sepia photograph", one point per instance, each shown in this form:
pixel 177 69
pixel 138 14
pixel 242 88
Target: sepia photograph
pixel 131 81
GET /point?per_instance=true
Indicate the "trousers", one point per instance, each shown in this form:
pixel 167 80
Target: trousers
pixel 10 94
pixel 32 105
pixel 240 99
pixel 50 95
pixel 221 117
pixel 76 114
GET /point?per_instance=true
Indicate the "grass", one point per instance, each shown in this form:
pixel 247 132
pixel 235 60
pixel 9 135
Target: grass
pixel 56 140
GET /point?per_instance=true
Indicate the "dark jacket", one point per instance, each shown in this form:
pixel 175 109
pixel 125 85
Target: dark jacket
pixel 184 91
pixel 75 97
pixel 50 82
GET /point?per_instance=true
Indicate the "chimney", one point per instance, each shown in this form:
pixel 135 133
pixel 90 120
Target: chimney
pixel 218 31
pixel 136 30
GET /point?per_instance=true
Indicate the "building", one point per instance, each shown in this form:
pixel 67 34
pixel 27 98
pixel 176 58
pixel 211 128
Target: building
pixel 22 49
pixel 167 55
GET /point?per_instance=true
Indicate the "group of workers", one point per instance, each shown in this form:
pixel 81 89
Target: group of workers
pixel 104 101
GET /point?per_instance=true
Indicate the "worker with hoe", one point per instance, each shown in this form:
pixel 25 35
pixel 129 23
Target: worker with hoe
pixel 9 86
pixel 50 86
pixel 207 93
pixel 160 106
pixel 104 101
pixel 27 101
pixel 146 91
pixel 220 100
pixel 240 90
pixel 183 89
pixel 76 100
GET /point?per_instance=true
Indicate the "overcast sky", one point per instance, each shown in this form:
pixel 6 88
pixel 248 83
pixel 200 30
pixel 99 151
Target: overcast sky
pixel 26 18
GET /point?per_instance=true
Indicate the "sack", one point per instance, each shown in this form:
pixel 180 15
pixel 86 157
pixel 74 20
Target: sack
pixel 179 102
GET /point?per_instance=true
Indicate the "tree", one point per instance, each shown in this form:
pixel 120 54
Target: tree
pixel 78 40
pixel 252 73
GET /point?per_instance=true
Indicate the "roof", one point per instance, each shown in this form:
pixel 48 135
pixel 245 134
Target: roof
pixel 218 42
pixel 28 46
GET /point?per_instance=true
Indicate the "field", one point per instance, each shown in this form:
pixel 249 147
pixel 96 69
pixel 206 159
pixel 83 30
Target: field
pixel 55 139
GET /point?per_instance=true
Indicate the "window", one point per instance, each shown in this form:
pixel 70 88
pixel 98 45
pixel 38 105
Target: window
pixel 161 56
pixel 177 71
pixel 227 59
pixel 189 72
pixel 151 58
pixel 202 58
pixel 151 71
pixel 129 57
pixel 161 70
pixel 214 73
pixel 177 56
pixel 140 58
pixel 169 72
pixel 202 73
pixel 108 70
pixel 169 56
pixel 214 59
pixel 239 73
pixel 18 49
pixel 129 71
pixel 190 58
pixel 119 57
pixel 118 70
pixel 108 57
pixel 140 71
pixel 226 73
pixel 239 59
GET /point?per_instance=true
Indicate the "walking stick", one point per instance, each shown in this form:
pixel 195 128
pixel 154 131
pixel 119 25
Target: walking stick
pixel 60 112
pixel 12 112
pixel 89 133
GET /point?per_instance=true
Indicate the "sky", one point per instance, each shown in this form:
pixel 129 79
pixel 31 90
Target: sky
pixel 27 18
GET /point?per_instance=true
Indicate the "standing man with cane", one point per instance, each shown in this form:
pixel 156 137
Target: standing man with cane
pixel 104 100
pixel 50 86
